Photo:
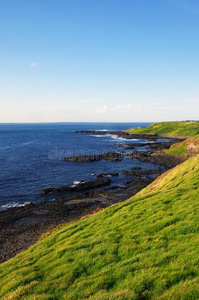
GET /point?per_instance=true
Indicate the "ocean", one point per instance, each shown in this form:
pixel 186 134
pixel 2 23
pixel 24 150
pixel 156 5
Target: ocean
pixel 31 158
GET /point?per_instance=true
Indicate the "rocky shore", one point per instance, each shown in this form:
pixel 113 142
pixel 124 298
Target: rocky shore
pixel 122 134
pixel 80 187
pixel 21 227
pixel 111 156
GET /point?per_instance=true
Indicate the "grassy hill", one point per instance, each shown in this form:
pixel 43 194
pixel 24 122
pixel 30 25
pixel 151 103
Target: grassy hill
pixel 145 248
pixel 188 147
pixel 185 128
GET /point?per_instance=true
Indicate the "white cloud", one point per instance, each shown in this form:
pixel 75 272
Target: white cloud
pixel 117 108
pixel 156 106
pixel 129 106
pixel 34 64
pixel 134 107
pixel 101 110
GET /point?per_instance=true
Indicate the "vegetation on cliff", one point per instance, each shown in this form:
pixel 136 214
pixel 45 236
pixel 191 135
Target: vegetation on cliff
pixel 188 147
pixel 144 248
pixel 184 128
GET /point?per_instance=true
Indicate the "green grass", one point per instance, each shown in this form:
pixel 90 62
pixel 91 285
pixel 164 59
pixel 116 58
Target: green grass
pixel 177 149
pixel 185 128
pixel 145 248
pixel 188 147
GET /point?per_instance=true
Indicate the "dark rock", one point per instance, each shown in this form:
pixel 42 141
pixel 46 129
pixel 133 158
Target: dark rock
pixel 167 160
pixel 20 227
pixel 162 145
pixel 154 145
pixel 84 158
pixel 79 187
pixel 122 134
pixel 129 147
pixel 141 155
pixel 129 181
pixel 139 173
pixel 113 187
pixel 112 156
pixel 106 175
pixel 120 145
pixel 133 145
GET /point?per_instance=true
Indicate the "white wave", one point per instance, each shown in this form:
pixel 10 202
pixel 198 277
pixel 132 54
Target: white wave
pixel 149 142
pixel 116 137
pixel 97 135
pixel 19 145
pixel 77 182
pixel 14 204
pixel 113 136
pixel 5 148
pixel 28 143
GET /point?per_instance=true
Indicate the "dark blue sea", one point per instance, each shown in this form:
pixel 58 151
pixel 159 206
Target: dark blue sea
pixel 31 158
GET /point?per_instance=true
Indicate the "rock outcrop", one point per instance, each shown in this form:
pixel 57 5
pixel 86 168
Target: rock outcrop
pixel 112 156
pixel 105 175
pixel 80 187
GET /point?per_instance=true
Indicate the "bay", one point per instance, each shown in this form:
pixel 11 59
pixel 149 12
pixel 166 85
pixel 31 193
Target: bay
pixel 31 158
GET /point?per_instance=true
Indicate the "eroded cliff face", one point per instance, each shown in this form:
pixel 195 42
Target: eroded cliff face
pixel 192 145
pixel 189 147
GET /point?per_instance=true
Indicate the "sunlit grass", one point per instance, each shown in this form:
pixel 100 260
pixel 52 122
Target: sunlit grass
pixel 188 147
pixel 186 128
pixel 145 248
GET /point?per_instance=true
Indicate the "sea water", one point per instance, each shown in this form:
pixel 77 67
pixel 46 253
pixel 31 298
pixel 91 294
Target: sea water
pixel 31 158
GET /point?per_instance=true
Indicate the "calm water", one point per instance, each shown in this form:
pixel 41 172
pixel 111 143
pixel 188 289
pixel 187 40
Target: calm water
pixel 30 158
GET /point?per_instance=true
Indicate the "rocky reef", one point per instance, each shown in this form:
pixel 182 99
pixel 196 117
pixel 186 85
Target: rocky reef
pixel 83 186
pixel 111 156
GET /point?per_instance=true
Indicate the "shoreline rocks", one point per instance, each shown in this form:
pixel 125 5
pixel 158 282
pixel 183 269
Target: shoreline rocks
pixel 141 155
pixel 121 134
pixel 124 134
pixel 139 173
pixel 105 175
pixel 82 186
pixel 166 160
pixel 111 156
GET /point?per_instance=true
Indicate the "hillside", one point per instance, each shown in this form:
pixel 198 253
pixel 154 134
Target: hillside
pixel 188 147
pixel 185 128
pixel 144 248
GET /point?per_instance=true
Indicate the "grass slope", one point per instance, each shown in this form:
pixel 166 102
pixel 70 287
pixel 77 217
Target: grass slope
pixel 185 128
pixel 188 147
pixel 145 248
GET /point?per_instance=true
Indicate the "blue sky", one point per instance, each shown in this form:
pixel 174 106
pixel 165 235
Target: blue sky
pixel 99 60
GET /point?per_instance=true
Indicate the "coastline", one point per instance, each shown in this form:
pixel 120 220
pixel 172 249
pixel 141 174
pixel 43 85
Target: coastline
pixel 21 227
